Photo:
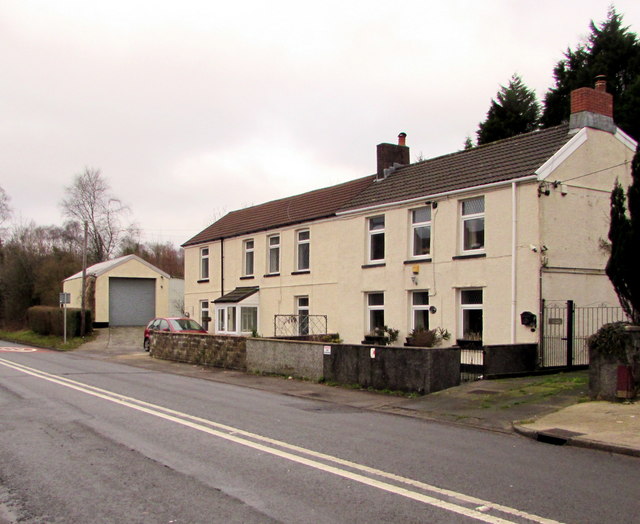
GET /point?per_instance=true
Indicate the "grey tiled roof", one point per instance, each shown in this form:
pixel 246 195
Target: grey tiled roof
pixel 237 295
pixel 507 159
pixel 314 205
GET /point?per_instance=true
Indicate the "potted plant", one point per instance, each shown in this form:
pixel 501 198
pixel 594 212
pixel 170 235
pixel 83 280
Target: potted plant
pixel 427 338
pixel 381 336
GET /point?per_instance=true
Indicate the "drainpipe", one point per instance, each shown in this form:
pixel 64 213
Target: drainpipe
pixel 514 238
pixel 221 266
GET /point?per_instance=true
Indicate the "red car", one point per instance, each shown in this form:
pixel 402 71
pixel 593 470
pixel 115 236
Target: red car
pixel 174 325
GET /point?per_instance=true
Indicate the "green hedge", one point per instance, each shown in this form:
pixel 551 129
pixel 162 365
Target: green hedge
pixel 47 320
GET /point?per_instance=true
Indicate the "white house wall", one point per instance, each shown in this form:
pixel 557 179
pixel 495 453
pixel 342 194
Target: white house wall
pixel 337 283
pixel 575 220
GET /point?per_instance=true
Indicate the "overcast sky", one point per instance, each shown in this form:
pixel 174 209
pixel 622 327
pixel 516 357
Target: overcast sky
pixel 195 108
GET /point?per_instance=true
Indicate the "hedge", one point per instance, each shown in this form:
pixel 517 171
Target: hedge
pixel 47 320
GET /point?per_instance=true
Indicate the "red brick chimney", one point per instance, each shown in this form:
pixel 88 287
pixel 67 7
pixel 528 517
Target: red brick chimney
pixel 592 107
pixel 390 154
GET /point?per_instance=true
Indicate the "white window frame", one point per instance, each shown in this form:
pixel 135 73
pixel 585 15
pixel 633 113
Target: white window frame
pixel 248 254
pixel 414 308
pixel 273 247
pixel 248 329
pixel 204 263
pixel 303 244
pixel 469 307
pixel 469 217
pixel 417 225
pixel 375 231
pixel 204 312
pixel 373 307
pixel 225 311
pixel 302 310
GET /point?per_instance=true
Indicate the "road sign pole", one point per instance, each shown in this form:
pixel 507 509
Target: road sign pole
pixel 64 307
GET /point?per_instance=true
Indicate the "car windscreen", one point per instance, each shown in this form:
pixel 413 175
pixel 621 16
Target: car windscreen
pixel 185 324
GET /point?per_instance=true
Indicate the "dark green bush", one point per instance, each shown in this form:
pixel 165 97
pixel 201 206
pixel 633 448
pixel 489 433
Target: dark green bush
pixel 609 341
pixel 47 320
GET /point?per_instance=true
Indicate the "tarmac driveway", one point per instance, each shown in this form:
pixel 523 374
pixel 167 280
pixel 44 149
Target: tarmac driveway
pixel 114 341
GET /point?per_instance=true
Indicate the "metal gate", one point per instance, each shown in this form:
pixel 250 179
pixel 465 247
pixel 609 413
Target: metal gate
pixel 565 329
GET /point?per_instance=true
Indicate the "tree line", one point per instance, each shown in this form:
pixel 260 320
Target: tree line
pixel 34 260
pixel 610 50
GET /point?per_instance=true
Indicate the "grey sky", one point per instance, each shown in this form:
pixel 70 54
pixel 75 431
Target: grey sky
pixel 195 108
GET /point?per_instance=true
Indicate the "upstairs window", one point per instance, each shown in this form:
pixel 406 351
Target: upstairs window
pixel 248 258
pixel 376 239
pixel 472 224
pixel 274 254
pixel 204 263
pixel 303 239
pixel 421 232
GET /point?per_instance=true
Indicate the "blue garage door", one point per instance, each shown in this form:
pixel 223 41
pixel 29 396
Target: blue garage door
pixel 132 301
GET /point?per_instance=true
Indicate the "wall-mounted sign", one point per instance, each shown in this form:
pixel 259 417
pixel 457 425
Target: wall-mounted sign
pixel 327 350
pixel 373 352
pixel 555 321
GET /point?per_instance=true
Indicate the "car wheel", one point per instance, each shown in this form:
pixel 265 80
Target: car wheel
pixel 146 344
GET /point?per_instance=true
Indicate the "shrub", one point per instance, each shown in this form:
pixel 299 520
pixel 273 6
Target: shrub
pixel 610 342
pixel 48 320
pixel 428 338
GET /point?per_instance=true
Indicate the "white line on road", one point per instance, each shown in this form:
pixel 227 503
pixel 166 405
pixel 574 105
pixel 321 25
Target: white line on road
pixel 207 426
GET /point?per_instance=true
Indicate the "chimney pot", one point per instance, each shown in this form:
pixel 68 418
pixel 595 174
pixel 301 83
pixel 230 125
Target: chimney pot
pixel 601 83
pixel 401 139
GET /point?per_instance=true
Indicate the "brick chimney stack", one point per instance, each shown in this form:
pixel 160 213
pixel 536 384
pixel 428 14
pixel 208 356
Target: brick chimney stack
pixel 390 155
pixel 592 107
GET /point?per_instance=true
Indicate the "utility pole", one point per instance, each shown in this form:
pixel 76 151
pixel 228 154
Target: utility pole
pixel 84 281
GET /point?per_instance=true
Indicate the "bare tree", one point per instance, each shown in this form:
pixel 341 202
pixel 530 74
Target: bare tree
pixel 90 200
pixel 5 209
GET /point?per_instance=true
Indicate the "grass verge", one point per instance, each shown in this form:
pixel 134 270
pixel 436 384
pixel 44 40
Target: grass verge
pixel 30 338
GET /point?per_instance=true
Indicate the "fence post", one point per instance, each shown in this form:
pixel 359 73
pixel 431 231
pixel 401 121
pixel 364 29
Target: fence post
pixel 570 320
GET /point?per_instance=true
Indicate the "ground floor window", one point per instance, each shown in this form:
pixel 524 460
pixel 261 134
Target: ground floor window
pixel 302 310
pixel 204 314
pixel 471 314
pixel 420 310
pixel 375 311
pixel 237 320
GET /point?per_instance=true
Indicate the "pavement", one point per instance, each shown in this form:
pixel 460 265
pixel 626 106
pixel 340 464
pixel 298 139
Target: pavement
pixel 548 408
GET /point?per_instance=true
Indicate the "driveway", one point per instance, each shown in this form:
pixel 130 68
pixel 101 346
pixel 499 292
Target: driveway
pixel 114 341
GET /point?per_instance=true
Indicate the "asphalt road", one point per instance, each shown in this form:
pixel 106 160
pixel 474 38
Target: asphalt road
pixel 84 440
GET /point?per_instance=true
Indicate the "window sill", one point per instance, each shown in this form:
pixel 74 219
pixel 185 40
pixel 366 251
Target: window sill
pixel 303 272
pixel 367 266
pixel 417 261
pixel 269 275
pixel 202 281
pixel 470 255
pixel 248 277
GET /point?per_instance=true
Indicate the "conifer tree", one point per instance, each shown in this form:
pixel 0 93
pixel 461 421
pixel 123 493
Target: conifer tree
pixel 515 110
pixel 610 50
pixel 624 235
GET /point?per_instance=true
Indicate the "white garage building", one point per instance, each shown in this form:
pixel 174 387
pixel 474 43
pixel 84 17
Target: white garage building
pixel 127 291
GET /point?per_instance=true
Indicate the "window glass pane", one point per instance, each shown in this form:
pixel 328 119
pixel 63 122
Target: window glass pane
pixel 474 233
pixel 249 319
pixel 471 296
pixel 421 319
pixel 376 299
pixel 274 260
pixel 249 263
pixel 376 319
pixel 303 256
pixel 221 315
pixel 303 235
pixel 472 324
pixel 421 240
pixel 421 215
pixel 274 241
pixel 303 302
pixel 231 319
pixel 377 246
pixel 475 205
pixel 249 244
pixel 376 223
pixel 420 298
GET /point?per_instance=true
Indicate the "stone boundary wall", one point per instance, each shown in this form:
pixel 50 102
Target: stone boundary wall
pixel 409 369
pixel 285 357
pixel 201 349
pixel 510 358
